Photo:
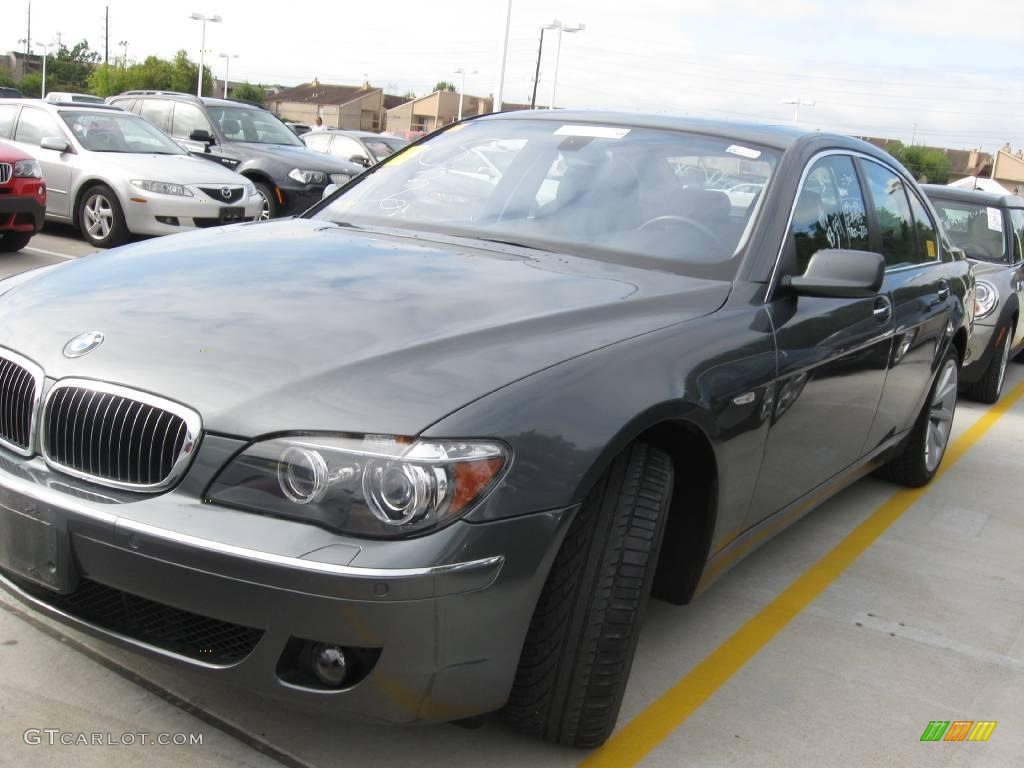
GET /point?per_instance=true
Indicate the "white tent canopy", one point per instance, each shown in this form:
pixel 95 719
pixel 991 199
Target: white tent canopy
pixel 983 185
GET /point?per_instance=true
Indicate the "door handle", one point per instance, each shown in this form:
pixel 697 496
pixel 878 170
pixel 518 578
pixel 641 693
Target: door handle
pixel 883 309
pixel 943 290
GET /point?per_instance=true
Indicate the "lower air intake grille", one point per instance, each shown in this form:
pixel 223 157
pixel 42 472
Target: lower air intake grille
pixel 180 632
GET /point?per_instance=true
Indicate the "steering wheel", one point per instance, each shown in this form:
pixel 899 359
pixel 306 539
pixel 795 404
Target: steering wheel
pixel 686 221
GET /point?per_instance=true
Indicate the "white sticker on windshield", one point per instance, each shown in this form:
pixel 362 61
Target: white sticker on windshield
pixel 592 131
pixel 747 152
pixel 995 220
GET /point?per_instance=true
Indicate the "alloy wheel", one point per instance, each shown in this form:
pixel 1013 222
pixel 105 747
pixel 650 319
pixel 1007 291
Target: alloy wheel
pixel 265 210
pixel 99 216
pixel 940 415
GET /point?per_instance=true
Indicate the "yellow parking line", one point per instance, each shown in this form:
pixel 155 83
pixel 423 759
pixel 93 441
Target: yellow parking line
pixel 633 741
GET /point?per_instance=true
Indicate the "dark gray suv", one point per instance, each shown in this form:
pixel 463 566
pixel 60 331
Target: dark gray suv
pixel 247 139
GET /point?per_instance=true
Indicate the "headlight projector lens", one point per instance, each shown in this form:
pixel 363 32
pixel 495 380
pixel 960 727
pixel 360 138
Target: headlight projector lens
pixel 302 474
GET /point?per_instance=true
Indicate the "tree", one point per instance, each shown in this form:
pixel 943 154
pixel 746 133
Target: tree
pixel 68 69
pixel 444 85
pixel 31 85
pixel 924 163
pixel 248 92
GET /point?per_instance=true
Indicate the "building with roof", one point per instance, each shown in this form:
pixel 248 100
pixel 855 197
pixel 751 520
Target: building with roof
pixel 352 107
pixel 440 108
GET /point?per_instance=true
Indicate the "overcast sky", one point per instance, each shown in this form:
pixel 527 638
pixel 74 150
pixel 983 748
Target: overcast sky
pixel 955 69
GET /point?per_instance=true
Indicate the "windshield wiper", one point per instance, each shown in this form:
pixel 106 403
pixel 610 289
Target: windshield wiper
pixel 501 241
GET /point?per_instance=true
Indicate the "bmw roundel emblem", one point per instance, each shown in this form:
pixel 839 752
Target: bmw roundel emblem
pixel 83 344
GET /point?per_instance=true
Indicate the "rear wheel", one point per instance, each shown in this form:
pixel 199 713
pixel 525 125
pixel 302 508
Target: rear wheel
pixel 13 241
pixel 581 641
pixel 923 451
pixel 100 217
pixel 990 386
pixel 270 207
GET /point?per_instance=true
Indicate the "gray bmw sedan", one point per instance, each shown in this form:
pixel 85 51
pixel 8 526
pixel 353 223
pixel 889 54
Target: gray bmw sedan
pixel 424 452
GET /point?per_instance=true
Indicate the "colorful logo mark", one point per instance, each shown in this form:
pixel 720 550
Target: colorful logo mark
pixel 958 730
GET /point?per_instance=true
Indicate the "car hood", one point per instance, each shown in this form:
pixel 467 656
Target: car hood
pixel 305 325
pixel 180 169
pixel 297 157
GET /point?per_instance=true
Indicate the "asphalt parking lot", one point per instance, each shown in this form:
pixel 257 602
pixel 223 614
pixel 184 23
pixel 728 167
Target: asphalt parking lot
pixel 833 645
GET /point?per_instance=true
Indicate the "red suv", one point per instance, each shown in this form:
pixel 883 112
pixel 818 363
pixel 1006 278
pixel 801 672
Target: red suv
pixel 22 198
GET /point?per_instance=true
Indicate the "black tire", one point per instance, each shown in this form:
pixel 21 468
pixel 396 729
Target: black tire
pixel 989 387
pixel 13 241
pixel 271 210
pixel 913 467
pixel 580 645
pixel 99 204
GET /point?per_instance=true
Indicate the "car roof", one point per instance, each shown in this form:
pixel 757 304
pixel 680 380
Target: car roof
pixel 976 196
pixel 67 106
pixel 780 137
pixel 210 101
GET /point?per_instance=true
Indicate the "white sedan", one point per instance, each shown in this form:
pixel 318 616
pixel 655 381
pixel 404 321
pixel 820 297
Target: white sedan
pixel 112 174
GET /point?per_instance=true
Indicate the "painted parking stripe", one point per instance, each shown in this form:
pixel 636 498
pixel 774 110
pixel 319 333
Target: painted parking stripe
pixel 643 733
pixel 33 249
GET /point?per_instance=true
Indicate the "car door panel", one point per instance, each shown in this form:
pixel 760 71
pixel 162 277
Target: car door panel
pixel 33 126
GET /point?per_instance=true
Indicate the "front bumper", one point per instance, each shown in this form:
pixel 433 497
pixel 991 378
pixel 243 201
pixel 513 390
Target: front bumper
pixel 167 214
pixel 22 212
pixel 296 199
pixel 980 349
pixel 447 612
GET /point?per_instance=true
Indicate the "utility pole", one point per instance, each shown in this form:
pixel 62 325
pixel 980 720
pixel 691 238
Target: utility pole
pixel 797 104
pixel 536 74
pixel 28 32
pixel 913 137
pixel 124 56
pixel 106 36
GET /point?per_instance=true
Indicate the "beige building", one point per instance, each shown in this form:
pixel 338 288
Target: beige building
pixel 352 107
pixel 1008 169
pixel 428 113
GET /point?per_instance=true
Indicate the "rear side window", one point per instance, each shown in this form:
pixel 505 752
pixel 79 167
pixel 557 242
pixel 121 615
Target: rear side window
pixel 927 238
pixel 34 125
pixel 8 113
pixel 157 113
pixel 830 210
pixel 889 197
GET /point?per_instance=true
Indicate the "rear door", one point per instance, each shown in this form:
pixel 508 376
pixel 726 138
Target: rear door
pixel 33 126
pixel 919 279
pixel 832 353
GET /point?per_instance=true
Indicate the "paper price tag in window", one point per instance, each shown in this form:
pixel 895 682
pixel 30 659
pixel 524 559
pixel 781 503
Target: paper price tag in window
pixel 929 245
pixel 995 220
pixel 405 156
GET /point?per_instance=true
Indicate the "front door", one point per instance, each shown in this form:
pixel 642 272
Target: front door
pixel 33 126
pixel 832 353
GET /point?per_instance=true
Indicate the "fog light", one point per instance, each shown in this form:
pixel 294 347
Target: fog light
pixel 171 221
pixel 329 664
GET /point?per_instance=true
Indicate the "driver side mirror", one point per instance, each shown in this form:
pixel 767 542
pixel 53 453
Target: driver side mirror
pixel 203 135
pixel 56 143
pixel 329 190
pixel 362 160
pixel 835 273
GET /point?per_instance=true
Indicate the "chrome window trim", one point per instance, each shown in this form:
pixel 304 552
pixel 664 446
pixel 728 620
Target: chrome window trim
pixel 193 433
pixel 792 212
pixel 36 372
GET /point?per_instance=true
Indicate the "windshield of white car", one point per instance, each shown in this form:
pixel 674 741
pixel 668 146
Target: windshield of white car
pixel 976 228
pixel 643 196
pixel 256 126
pixel 381 147
pixel 118 132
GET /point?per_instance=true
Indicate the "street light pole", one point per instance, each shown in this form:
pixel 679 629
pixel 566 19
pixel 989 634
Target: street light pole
pixel 203 18
pixel 462 87
pixel 227 69
pixel 797 103
pixel 504 60
pixel 124 57
pixel 556 24
pixel 46 53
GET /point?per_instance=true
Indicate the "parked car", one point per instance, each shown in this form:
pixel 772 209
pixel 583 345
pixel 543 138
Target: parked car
pixel 361 147
pixel 9 93
pixel 247 139
pixel 414 458
pixel 112 174
pixel 298 128
pixel 990 230
pixel 742 195
pixel 64 97
pixel 22 198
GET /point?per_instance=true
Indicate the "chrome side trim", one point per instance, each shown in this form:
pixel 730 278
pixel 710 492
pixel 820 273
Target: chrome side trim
pixel 192 420
pixel 36 372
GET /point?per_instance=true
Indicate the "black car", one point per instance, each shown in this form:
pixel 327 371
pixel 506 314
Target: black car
pixel 424 452
pixel 361 147
pixel 247 139
pixel 9 93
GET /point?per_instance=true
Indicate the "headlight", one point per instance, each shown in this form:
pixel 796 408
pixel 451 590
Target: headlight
pixel 307 177
pixel 985 299
pixel 28 169
pixel 163 187
pixel 250 189
pixel 374 486
pixel 341 179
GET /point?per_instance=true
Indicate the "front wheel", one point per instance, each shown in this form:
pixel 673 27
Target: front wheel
pixel 13 241
pixel 100 217
pixel 923 451
pixel 580 645
pixel 270 207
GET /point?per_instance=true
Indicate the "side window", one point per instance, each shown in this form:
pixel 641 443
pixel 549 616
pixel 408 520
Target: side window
pixel 33 125
pixel 1017 233
pixel 830 210
pixel 899 243
pixel 344 147
pixel 927 237
pixel 157 113
pixel 188 118
pixel 318 140
pixel 8 113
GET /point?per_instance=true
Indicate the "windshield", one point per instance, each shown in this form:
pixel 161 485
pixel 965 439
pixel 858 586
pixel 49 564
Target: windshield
pixel 978 229
pixel 253 125
pixel 118 132
pixel 635 195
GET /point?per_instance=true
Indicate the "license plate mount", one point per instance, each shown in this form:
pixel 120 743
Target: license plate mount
pixel 34 547
pixel 230 214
